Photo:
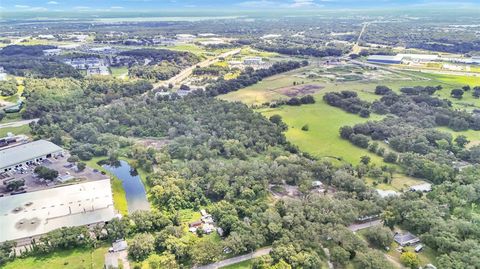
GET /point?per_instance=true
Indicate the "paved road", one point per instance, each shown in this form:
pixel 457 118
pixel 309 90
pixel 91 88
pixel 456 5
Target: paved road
pixel 188 71
pixel 17 123
pixel 361 226
pixel 356 47
pixel 388 68
pixel 234 260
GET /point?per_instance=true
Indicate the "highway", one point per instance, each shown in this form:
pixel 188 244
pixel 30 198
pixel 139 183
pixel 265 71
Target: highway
pixel 185 73
pixel 234 260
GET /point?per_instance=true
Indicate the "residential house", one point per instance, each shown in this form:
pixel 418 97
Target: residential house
pixel 406 239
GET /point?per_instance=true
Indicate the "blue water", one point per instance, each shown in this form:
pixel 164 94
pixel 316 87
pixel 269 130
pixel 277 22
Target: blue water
pixel 132 184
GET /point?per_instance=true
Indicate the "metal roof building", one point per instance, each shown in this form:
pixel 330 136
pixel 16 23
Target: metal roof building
pixel 420 57
pixel 27 153
pixel 38 212
pixel 385 59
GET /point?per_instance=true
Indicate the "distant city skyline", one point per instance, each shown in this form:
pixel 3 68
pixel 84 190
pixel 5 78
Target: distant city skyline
pixel 230 5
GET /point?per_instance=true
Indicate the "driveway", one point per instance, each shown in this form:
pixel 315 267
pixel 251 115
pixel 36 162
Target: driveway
pixel 234 260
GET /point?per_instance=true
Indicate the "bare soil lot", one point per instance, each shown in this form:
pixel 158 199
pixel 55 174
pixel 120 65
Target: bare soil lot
pixel 299 90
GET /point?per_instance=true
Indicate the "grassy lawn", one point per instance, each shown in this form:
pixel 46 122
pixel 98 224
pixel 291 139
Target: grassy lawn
pixel 71 259
pixel 119 195
pixel 322 139
pixel 119 72
pixel 449 82
pixel 399 183
pixel 472 135
pixel 324 121
pixel 9 117
pixel 426 256
pixel 241 265
pixel 188 47
pixel 24 129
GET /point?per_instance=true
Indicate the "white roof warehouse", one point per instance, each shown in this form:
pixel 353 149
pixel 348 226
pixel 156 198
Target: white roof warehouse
pixel 27 153
pixel 35 213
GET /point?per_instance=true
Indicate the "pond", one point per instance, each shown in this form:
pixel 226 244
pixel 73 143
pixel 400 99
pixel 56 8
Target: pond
pixel 132 184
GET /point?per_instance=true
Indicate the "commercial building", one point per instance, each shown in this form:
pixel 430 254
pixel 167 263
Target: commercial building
pixel 28 153
pixel 253 61
pixel 385 59
pixel 420 57
pixel 3 75
pixel 52 52
pixel 34 213
pixel 100 70
pixel 425 187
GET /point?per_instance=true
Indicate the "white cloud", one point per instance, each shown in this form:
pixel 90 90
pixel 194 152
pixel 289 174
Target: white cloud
pixel 303 3
pixel 257 4
pixel 280 4
pixel 21 6
pixel 117 7
pixel 38 9
pixel 52 3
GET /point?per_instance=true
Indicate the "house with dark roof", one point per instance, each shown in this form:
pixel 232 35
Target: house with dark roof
pixel 406 239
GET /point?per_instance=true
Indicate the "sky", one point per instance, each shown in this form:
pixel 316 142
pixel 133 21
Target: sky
pixel 150 5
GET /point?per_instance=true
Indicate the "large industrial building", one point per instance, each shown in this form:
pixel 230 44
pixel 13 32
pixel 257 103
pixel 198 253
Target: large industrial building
pixel 34 213
pixel 28 153
pixel 385 59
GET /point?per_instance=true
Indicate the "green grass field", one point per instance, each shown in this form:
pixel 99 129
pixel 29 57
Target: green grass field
pixel 449 82
pixel 188 47
pixel 68 259
pixel 324 121
pixel 119 72
pixel 472 135
pixel 24 129
pixel 322 139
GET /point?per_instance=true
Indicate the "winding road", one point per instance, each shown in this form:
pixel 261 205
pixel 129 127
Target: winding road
pixel 234 260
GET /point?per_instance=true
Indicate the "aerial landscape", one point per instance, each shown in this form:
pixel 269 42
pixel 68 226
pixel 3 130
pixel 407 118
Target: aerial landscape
pixel 269 134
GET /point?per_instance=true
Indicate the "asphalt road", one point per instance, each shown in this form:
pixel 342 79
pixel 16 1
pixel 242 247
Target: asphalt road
pixel 234 260
pixel 361 226
pixel 17 123
pixel 185 73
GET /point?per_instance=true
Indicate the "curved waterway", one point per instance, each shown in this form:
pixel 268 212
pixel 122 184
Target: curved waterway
pixel 132 184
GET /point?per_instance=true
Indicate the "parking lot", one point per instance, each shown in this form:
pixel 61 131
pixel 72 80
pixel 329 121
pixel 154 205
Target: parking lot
pixel 67 172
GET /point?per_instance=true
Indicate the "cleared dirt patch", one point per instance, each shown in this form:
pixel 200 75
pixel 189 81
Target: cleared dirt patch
pixel 299 90
pixel 153 143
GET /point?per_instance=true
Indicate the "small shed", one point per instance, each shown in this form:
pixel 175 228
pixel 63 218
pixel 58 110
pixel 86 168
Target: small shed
pixel 119 245
pixel 425 187
pixel 195 224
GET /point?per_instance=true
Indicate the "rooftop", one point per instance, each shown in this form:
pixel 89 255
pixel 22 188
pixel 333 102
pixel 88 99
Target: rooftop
pixel 406 239
pixel 385 58
pixel 38 212
pixel 119 245
pixel 425 187
pixel 26 152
